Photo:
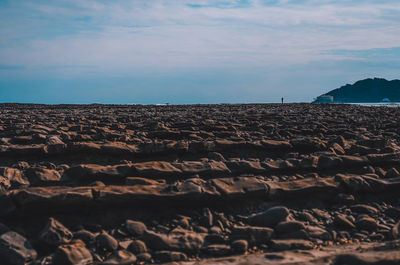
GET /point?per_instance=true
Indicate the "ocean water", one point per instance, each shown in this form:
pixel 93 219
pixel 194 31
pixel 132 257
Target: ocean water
pixel 380 104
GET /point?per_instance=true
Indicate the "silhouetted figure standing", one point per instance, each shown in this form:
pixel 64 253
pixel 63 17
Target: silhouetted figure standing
pixel 282 100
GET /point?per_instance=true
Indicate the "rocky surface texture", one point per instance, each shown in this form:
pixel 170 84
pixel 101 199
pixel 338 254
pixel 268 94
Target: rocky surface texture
pixel 199 184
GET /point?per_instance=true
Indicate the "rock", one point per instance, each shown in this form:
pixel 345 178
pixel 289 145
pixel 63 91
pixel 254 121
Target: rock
pixel 15 249
pixel 341 221
pixel 207 219
pixel 271 217
pixel 135 228
pixel 144 257
pixel 393 212
pixel 137 247
pixel 289 226
pixel 318 233
pixel 392 173
pixel 73 254
pixel 43 176
pixel 86 236
pixel 254 235
pixel 366 209
pixel 217 250
pixel 239 246
pixel 106 243
pixel 396 231
pixel 121 257
pixel 366 223
pixel 342 198
pixel 178 239
pixel 55 234
pixel 140 181
pixel 282 245
pixel 169 256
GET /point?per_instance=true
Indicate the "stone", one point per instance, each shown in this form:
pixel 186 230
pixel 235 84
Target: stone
pixel 144 257
pixel 366 209
pixel 396 230
pixel 137 247
pixel 392 173
pixel 169 256
pixel 55 234
pixel 271 217
pixel 85 235
pixel 217 250
pixel 239 246
pixel 178 239
pixel 43 176
pixel 341 221
pixel 15 249
pixel 254 235
pixel 366 223
pixel 106 243
pixel 318 233
pixel 135 228
pixel 73 254
pixel 289 226
pixel 120 257
pixel 289 244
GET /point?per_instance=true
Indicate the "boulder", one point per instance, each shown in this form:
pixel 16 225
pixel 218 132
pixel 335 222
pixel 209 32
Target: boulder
pixel 120 257
pixel 252 234
pixel 73 254
pixel 271 217
pixel 135 228
pixel 15 249
pixel 55 234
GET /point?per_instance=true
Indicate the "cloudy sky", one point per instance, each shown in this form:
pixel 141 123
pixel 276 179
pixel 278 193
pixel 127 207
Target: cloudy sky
pixel 192 51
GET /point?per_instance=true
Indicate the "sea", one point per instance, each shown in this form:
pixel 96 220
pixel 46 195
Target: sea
pixel 380 104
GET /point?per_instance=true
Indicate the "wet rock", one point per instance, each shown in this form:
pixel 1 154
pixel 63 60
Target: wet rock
pixel 15 249
pixel 135 228
pixel 137 247
pixel 169 256
pixel 73 254
pixel 106 243
pixel 239 246
pixel 282 245
pixel 254 235
pixel 121 257
pixel 55 234
pixel 271 217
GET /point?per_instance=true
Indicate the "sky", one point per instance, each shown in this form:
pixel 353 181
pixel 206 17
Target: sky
pixel 192 51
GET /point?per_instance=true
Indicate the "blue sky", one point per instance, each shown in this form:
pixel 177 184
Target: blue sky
pixel 183 51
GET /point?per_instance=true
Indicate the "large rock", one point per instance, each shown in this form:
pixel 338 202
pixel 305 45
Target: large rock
pixel 271 217
pixel 73 254
pixel 135 228
pixel 178 239
pixel 252 234
pixel 43 176
pixel 121 257
pixel 15 249
pixel 55 234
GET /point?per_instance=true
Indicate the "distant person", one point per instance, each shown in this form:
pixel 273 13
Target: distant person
pixel 282 100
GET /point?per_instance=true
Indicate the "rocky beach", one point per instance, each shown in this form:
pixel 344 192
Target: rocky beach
pixel 199 184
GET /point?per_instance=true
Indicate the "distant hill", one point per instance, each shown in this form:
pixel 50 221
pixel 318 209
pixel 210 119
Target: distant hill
pixel 364 91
